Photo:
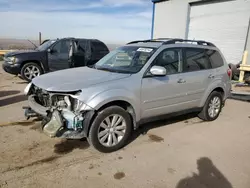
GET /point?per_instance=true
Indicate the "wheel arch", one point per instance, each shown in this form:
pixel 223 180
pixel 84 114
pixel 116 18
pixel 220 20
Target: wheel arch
pixel 121 103
pixel 218 88
pixel 32 61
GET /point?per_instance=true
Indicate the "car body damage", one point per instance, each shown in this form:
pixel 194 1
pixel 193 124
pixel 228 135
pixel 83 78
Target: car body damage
pixel 66 100
pixel 63 114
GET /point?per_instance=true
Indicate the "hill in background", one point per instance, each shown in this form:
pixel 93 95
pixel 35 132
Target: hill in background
pixel 6 44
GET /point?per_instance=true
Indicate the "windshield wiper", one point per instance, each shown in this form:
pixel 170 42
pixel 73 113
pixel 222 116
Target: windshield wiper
pixel 113 70
pixel 103 68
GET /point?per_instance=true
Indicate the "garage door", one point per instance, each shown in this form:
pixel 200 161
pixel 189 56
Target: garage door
pixel 223 23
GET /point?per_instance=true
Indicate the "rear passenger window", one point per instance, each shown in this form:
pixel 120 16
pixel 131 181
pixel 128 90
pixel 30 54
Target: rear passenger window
pixel 215 58
pixel 98 46
pixel 196 60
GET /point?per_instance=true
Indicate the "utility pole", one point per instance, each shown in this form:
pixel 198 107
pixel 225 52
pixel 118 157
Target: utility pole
pixel 40 38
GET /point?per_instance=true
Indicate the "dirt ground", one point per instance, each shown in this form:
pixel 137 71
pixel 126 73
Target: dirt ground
pixel 174 153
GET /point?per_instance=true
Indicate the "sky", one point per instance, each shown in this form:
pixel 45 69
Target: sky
pixel 108 20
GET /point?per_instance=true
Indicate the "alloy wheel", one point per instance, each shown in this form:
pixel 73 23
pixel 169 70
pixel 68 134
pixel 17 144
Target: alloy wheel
pixel 31 72
pixel 214 106
pixel 112 130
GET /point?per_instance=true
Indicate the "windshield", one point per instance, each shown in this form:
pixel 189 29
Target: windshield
pixel 126 59
pixel 45 45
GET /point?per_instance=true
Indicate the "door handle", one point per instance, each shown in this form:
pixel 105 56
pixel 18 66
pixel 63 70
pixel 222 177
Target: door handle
pixel 211 76
pixel 181 81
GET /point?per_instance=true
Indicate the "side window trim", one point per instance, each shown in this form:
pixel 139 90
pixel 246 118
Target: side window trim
pixel 145 75
pixel 208 59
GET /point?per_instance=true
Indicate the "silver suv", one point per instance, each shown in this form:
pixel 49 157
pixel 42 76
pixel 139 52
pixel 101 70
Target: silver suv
pixel 134 83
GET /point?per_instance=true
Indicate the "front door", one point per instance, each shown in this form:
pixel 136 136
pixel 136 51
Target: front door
pixel 58 57
pixel 164 94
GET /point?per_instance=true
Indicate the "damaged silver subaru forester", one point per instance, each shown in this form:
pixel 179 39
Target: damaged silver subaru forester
pixel 139 81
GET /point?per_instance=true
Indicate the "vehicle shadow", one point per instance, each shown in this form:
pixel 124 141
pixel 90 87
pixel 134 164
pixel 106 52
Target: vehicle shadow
pixel 168 120
pixel 22 82
pixel 208 176
pixel 67 146
pixel 12 100
pixel 9 92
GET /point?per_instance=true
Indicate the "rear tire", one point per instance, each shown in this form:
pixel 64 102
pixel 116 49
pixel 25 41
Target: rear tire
pixel 212 108
pixel 30 71
pixel 110 129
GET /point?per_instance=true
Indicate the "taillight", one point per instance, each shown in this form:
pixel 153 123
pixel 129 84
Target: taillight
pixel 229 73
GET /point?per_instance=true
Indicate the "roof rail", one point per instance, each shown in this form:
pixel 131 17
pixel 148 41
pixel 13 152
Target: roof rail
pixel 173 41
pixel 199 42
pixel 163 39
pixel 150 40
pixel 137 41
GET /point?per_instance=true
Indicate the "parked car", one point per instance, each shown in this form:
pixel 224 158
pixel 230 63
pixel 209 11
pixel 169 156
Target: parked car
pixel 54 55
pixel 106 102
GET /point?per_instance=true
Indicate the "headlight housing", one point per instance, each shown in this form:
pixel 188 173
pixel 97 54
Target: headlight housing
pixel 11 60
pixel 27 88
pixel 80 106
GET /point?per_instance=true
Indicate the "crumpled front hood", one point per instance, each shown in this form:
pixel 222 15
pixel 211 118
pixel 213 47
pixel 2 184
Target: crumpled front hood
pixel 74 79
pixel 20 52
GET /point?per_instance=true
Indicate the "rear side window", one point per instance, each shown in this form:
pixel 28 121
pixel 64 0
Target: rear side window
pixel 215 58
pixel 98 46
pixel 196 60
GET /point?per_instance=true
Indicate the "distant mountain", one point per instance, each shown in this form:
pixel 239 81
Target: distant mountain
pixel 6 44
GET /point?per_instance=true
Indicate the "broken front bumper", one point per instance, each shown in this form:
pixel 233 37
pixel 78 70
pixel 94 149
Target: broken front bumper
pixel 54 124
pixel 37 108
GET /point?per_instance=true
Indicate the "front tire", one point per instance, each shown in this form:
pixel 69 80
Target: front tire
pixel 110 129
pixel 30 71
pixel 212 108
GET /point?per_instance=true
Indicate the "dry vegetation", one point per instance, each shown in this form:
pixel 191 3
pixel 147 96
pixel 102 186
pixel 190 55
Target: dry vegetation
pixel 21 44
pixel 9 44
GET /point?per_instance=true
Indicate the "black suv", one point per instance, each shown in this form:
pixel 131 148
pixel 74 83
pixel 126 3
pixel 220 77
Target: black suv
pixel 54 55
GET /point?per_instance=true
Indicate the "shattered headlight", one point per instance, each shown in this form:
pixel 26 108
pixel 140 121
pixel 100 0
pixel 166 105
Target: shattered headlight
pixel 80 106
pixel 27 88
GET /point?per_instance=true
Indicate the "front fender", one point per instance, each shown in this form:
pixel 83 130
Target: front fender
pixel 108 96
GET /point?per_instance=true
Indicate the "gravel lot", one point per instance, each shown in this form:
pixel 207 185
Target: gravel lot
pixel 175 153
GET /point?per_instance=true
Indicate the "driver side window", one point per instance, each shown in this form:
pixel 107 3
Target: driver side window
pixel 62 46
pixel 171 60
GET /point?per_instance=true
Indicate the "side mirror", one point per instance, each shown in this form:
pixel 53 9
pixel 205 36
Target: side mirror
pixel 51 51
pixel 158 71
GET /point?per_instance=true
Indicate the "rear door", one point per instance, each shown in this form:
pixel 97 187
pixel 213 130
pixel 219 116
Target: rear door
pixel 58 58
pixel 197 75
pixel 98 51
pixel 82 53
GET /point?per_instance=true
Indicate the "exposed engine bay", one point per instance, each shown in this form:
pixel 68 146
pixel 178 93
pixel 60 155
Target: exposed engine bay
pixel 62 113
